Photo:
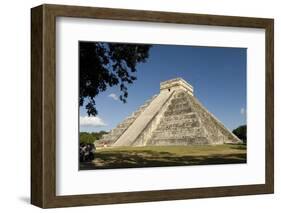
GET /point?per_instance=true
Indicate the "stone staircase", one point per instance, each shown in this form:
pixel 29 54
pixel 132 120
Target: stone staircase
pixel 115 133
pixel 141 123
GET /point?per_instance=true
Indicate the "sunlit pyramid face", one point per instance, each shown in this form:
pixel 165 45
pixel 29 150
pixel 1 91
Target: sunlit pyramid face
pixel 172 117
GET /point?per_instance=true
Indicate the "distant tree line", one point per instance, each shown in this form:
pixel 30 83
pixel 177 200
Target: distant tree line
pixel 241 133
pixel 90 138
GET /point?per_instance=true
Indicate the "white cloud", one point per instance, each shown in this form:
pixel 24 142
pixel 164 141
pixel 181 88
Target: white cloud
pixel 242 111
pixel 113 96
pixel 91 121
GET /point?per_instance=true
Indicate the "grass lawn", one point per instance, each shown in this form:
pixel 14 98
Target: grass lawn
pixel 155 156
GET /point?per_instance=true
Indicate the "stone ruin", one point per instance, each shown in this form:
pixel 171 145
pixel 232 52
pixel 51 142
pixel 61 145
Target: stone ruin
pixel 173 117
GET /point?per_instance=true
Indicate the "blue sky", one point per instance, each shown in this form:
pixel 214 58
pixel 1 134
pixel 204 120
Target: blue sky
pixel 218 76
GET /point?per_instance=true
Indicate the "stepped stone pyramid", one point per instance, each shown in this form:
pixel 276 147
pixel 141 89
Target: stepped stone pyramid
pixel 173 117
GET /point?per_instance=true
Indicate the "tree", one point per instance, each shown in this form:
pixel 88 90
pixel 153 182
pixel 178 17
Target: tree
pixel 103 65
pixel 86 138
pixel 241 133
pixel 90 138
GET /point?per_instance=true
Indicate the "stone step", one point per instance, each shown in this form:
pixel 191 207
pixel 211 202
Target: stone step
pixel 129 119
pixel 124 124
pixel 178 101
pixel 142 121
pixel 175 133
pixel 136 114
pixel 177 121
pixel 179 124
pixel 118 131
pixel 115 133
pixel 177 111
pixel 179 141
pixel 178 106
pixel 109 138
pixel 183 116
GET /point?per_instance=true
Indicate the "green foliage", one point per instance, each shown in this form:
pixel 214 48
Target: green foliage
pixel 241 133
pixel 103 65
pixel 90 138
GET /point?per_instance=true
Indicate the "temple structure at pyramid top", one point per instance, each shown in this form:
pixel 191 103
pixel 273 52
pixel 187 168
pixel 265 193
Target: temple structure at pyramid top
pixel 176 84
pixel 172 117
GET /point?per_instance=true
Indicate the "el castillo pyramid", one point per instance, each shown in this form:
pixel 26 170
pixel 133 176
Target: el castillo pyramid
pixel 173 117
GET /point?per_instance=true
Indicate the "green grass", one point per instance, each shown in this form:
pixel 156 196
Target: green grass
pixel 155 156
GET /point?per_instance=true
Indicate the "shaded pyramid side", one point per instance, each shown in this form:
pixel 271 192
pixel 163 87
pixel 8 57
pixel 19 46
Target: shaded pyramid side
pixel 214 129
pixel 186 121
pixel 114 134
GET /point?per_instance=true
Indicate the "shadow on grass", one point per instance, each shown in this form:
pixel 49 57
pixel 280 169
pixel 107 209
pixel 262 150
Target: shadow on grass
pixel 147 158
pixel 239 147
